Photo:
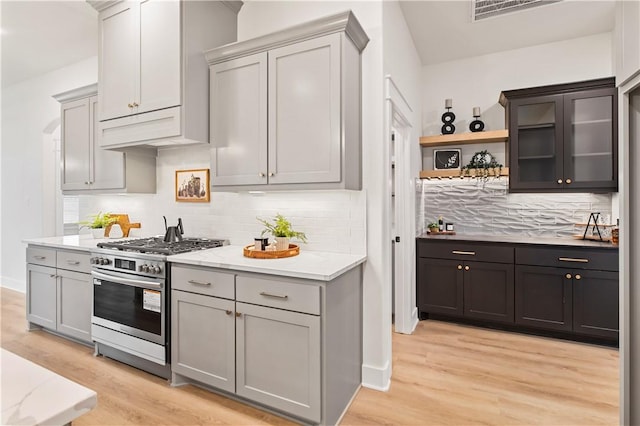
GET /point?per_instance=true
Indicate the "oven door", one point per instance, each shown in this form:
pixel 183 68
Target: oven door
pixel 130 304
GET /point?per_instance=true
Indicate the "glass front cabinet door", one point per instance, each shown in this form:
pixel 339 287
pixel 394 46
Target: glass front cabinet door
pixel 563 137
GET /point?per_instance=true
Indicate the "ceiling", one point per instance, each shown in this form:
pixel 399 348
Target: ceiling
pixel 442 30
pixel 41 36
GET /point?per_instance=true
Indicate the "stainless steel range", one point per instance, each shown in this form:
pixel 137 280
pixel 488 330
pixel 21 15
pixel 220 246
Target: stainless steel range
pixel 131 288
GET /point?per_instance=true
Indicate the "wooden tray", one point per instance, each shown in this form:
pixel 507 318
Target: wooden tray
pixel 592 238
pixel 441 232
pixel 249 251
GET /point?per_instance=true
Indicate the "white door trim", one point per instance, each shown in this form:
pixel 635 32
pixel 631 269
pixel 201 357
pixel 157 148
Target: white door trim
pixel 397 112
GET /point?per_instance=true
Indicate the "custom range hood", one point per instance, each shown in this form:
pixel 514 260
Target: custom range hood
pixel 153 78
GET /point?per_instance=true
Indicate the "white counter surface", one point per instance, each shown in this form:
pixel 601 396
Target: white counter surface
pixel 33 395
pixel 311 265
pixel 84 242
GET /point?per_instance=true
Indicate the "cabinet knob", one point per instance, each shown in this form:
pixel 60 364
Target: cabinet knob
pixel 261 174
pixel 578 276
pixel 568 276
pixel 87 183
pixel 130 105
pixel 466 268
pixel 238 314
pixel 559 181
pixel 568 181
pixel 228 312
pixel 459 266
pixel 135 105
pixel 271 174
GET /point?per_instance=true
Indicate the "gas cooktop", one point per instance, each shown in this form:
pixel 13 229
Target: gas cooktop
pixel 157 245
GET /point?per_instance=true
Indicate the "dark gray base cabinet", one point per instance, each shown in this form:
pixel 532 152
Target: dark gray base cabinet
pixel 561 291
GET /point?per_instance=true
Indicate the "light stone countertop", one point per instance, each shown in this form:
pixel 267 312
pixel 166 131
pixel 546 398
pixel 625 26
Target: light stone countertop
pixel 33 395
pixel 522 239
pixel 313 265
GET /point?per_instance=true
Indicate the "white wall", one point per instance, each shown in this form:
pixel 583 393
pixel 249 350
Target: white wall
pixel 27 109
pixel 478 81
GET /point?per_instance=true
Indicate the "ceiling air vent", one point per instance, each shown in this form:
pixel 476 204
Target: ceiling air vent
pixel 487 8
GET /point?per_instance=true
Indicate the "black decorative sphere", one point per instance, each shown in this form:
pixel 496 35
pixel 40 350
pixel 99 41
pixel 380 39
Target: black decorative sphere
pixel 448 129
pixel 476 126
pixel 448 117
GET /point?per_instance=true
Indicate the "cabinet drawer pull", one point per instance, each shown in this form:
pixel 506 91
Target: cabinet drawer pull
pixel 559 181
pixel 228 312
pixel 568 276
pixel 238 314
pixel 459 266
pixel 53 276
pixel 571 259
pixel 568 181
pixel 468 253
pixel 466 268
pixel 40 257
pixel 285 297
pixel 197 282
pixel 73 262
pixel 578 276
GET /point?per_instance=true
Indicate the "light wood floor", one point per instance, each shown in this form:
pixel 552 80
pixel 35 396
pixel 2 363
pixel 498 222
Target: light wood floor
pixel 443 374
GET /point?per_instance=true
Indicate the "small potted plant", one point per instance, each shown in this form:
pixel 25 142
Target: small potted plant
pixel 433 227
pixel 98 223
pixel 282 230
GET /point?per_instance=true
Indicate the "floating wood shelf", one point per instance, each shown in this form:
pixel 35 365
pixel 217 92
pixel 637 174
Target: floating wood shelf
pixel 465 138
pixel 456 174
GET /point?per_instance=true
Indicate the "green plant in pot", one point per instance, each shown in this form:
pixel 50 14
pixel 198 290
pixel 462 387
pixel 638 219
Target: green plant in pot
pixel 433 227
pixel 98 222
pixel 282 230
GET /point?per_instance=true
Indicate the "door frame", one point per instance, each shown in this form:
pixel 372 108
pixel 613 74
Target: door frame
pixel 628 325
pixel 397 113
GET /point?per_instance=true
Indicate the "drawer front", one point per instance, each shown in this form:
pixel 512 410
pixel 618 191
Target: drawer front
pixel 289 295
pixel 73 261
pixel 41 256
pixel 462 251
pixel 205 281
pixel 574 258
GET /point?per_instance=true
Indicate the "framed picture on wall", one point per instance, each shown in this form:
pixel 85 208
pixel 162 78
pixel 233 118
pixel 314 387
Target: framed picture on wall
pixel 192 185
pixel 446 159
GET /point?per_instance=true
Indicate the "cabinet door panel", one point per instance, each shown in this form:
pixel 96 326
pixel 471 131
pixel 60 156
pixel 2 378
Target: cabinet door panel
pixel 118 60
pixel 107 167
pixel 75 299
pixel 278 359
pixel 439 286
pixel 238 108
pixel 536 142
pixel 158 83
pixel 543 297
pixel 488 291
pixel 595 303
pixel 76 139
pixel 590 148
pixel 304 112
pixel 41 296
pixel 203 339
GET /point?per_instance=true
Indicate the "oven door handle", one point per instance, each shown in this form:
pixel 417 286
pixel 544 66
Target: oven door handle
pixel 126 281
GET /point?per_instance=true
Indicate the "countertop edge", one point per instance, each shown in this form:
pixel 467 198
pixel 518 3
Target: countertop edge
pixel 533 241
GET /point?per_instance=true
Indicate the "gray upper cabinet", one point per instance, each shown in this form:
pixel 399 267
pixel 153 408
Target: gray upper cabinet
pixel 285 108
pixel 151 74
pixel 85 166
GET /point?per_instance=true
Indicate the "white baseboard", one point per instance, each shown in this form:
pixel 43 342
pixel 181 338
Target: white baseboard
pixel 414 319
pixel 377 378
pixel 13 284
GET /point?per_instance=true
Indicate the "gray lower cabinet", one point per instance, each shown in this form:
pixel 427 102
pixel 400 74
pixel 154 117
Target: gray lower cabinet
pixel 291 345
pixel 203 339
pixel 278 359
pixel 59 291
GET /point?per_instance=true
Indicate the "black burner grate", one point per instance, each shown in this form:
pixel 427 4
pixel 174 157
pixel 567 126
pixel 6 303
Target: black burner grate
pixel 159 246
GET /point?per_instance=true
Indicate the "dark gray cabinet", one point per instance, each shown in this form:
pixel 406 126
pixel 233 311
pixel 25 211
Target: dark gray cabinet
pixel 563 137
pixel 569 291
pixel 449 283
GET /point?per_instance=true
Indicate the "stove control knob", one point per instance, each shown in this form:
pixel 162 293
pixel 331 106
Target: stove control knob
pixel 145 268
pixel 92 260
pixel 157 269
pixel 105 261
